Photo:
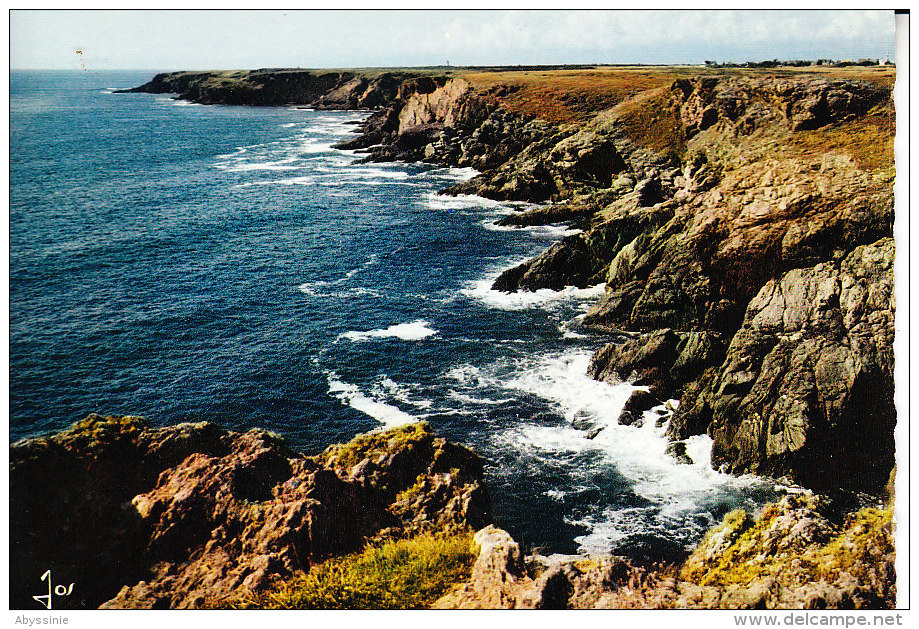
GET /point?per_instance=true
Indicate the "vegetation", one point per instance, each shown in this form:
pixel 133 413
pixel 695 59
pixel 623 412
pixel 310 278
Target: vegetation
pixel 867 140
pixel 363 446
pixel 562 96
pixel 743 550
pixel 652 121
pixel 404 574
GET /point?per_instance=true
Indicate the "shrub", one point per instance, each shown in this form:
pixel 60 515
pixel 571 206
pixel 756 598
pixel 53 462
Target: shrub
pixel 403 574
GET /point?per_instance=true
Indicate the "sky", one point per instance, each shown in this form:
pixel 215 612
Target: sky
pixel 213 39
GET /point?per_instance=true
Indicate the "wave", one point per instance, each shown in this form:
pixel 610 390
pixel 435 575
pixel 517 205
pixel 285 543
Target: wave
pixel 312 146
pixel 313 288
pixel 312 138
pixel 679 494
pixel 269 165
pixel 304 180
pixel 457 174
pixel 414 331
pixel 434 201
pixel 386 386
pixel 351 395
pixel 481 290
pixel 176 102
pixel 469 399
pixel 555 231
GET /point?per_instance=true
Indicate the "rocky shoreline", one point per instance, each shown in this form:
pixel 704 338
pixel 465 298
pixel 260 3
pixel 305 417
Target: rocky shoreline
pixel 742 224
pixel 193 516
pixel 190 515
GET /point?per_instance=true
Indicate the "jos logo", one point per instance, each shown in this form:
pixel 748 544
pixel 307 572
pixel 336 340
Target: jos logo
pixel 58 590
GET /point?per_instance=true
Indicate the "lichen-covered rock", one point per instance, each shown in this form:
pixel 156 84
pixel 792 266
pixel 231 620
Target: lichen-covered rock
pixel 797 553
pixel 497 574
pixel 192 514
pixel 794 555
pixel 806 388
pixel 664 360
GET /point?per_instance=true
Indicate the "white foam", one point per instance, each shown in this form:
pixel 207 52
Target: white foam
pixel 472 376
pixel 555 231
pixel 481 290
pixel 374 173
pixel 242 167
pixel 313 146
pixel 414 331
pixel 312 140
pixel 400 392
pixel 459 174
pixel 314 287
pixel 304 180
pixel 436 201
pixel 562 379
pixel 468 399
pixel 638 452
pixel 352 396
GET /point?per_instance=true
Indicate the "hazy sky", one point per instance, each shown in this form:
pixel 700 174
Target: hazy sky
pixel 166 40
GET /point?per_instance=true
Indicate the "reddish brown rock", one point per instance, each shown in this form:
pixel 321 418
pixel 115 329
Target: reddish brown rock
pixel 189 515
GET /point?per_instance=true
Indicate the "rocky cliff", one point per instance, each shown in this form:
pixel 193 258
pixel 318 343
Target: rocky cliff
pixel 193 514
pixel 196 516
pixel 321 89
pixel 742 224
pixel 794 554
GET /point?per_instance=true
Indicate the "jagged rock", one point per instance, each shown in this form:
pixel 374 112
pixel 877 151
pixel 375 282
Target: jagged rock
pixel 793 554
pixel 552 589
pixel 578 260
pixel 191 514
pixel 664 360
pixel 796 554
pixel 497 574
pixel 570 262
pixel 806 388
pixel 639 402
pixel 677 449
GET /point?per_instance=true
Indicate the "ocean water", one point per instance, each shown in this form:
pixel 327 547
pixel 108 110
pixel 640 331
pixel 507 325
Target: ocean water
pixel 189 263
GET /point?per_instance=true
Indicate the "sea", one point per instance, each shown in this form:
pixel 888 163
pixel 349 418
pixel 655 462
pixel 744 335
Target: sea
pixel 225 263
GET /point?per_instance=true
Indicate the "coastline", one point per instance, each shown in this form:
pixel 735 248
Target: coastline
pixel 631 202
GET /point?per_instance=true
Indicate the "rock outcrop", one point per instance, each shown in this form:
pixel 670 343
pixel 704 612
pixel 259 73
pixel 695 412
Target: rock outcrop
pixel 193 514
pixel 807 383
pixel 795 554
pixel 310 88
pixel 713 230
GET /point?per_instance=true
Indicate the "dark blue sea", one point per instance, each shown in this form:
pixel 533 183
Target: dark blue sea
pixel 188 263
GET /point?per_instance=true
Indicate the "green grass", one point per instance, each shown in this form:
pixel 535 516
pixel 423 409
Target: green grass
pixel 403 574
